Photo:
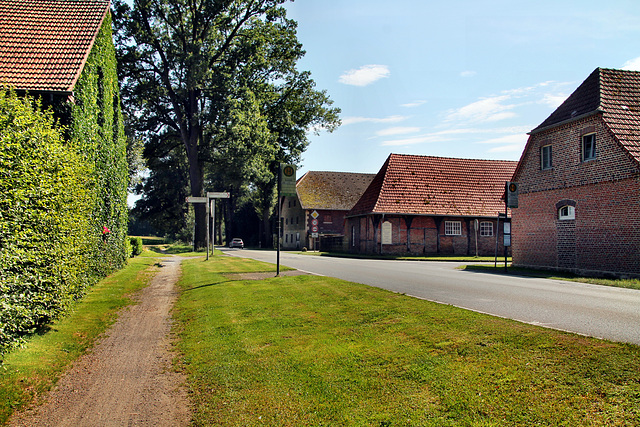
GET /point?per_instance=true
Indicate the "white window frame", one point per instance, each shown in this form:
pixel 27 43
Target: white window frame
pixel 453 228
pixel 592 153
pixel 486 229
pixel 548 164
pixel 566 212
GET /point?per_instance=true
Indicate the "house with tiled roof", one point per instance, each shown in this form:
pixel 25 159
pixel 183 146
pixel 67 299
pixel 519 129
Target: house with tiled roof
pixel 431 205
pixel 45 44
pixel 315 218
pixel 62 53
pixel 579 181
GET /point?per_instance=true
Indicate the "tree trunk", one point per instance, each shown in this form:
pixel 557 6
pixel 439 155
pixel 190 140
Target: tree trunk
pixel 196 182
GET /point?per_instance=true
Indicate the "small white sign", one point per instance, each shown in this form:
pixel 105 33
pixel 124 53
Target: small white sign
pixel 192 199
pixel 218 195
pixel 387 233
pixel 314 234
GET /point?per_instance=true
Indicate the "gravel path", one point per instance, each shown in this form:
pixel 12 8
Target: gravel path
pixel 127 379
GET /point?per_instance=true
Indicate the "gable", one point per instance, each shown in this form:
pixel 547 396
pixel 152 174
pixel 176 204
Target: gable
pixel 331 190
pixel 45 43
pixel 425 185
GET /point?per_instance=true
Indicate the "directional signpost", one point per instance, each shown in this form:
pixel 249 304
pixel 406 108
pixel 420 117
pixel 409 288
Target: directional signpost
pixel 286 187
pixel 211 196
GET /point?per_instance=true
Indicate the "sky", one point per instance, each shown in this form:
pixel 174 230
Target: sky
pixel 453 78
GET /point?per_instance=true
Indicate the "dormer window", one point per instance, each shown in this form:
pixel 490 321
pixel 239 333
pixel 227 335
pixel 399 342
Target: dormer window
pixel 545 157
pixel 566 213
pixel 588 147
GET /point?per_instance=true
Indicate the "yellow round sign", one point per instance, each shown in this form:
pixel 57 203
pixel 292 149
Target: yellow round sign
pixel 288 171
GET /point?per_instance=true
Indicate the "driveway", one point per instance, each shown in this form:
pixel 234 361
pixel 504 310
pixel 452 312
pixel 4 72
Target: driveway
pixel 592 310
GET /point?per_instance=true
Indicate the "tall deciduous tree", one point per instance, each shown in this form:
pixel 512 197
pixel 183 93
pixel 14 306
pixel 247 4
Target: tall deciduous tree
pixel 220 74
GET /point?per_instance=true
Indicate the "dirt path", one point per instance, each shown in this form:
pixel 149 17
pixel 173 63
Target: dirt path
pixel 127 378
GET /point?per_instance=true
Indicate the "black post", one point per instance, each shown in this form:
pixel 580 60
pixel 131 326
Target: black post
pixel 503 235
pixel 279 225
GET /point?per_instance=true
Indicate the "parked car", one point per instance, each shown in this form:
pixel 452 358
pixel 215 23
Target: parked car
pixel 236 243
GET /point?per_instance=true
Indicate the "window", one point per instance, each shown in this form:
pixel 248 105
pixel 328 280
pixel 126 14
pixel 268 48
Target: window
pixel 566 212
pixel 589 147
pixel 453 228
pixel 486 228
pixel 545 155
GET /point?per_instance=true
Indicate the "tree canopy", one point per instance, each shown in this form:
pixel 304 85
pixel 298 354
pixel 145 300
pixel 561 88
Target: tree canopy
pixel 221 77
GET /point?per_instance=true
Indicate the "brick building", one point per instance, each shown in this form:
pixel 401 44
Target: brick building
pixel 323 199
pixel 429 205
pixel 579 182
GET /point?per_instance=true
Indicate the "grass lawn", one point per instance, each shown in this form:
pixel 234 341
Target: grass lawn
pixel 313 351
pixel 619 283
pixel 26 373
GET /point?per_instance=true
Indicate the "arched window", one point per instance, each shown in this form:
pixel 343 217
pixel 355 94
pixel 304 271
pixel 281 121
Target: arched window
pixel 566 212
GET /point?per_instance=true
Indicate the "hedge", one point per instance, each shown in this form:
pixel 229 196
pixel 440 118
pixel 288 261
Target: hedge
pixel 44 218
pixel 63 208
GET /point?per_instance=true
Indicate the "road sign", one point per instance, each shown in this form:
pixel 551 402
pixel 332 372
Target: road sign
pixel 218 195
pixel 315 214
pixel 288 180
pixel 512 194
pixel 192 199
pixel 314 229
pixel 314 221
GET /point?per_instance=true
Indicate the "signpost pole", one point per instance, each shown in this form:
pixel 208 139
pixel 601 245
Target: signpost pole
pixel 279 225
pixel 213 228
pixel 208 234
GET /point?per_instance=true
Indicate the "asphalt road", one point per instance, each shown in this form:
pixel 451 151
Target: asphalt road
pixel 597 311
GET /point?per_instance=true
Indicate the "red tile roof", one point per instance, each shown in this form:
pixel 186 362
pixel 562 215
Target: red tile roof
pixel 424 185
pixel 45 43
pixel 613 93
pixel 331 190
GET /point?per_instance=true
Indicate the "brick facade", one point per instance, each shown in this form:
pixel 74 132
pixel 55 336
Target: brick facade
pixel 603 237
pixel 426 236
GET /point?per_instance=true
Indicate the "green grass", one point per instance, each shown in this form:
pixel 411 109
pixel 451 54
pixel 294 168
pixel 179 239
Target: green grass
pixel 28 372
pixel 618 283
pixel 313 351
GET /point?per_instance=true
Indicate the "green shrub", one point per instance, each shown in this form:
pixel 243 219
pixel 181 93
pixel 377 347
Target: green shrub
pixel 136 246
pixel 44 219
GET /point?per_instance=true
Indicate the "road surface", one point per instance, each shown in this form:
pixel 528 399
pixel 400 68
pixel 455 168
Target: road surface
pixel 592 310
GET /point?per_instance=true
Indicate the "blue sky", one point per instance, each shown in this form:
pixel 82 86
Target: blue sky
pixel 457 78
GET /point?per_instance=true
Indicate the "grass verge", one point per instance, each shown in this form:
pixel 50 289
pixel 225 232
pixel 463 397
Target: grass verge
pixel 28 372
pixel 618 283
pixel 312 351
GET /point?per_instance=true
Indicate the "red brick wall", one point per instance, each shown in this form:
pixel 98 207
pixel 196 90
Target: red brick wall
pixel 605 235
pixel 427 237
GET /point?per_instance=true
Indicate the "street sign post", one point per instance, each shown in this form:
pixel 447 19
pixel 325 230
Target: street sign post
pixel 210 209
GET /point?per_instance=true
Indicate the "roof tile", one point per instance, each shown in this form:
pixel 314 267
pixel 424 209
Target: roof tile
pixel 331 190
pixel 425 185
pixel 44 43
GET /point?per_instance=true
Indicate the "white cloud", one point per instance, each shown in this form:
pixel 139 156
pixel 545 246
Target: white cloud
pixel 414 104
pixel 512 148
pixel 490 109
pixel 553 100
pixel 632 64
pixel 468 73
pixel 415 140
pixel 365 75
pixel 397 131
pixel 390 119
pixel 519 138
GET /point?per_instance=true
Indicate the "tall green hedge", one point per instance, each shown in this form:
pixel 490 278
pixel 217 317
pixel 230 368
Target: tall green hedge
pixel 59 190
pixel 44 218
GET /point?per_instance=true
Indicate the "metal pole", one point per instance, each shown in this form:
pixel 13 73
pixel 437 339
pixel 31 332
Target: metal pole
pixel 279 226
pixel 495 259
pixel 213 222
pixel 505 246
pixel 208 236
